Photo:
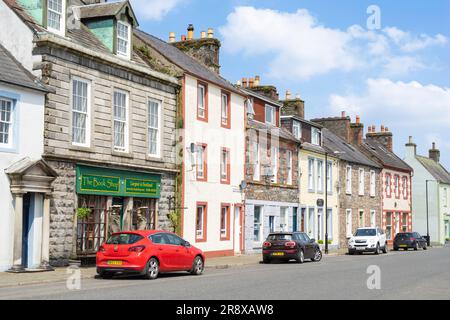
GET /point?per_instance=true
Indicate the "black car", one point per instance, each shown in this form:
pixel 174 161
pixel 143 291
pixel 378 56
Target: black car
pixel 408 240
pixel 290 246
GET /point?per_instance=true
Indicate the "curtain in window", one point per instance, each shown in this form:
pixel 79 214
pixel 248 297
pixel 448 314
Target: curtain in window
pixel 79 111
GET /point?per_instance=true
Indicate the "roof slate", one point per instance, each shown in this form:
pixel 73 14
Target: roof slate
pixel 385 156
pixel 345 151
pixel 12 72
pixel 184 61
pixel 435 169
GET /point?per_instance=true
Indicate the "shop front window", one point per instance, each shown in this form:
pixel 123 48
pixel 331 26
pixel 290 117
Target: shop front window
pixel 143 214
pixel 389 225
pixel 91 230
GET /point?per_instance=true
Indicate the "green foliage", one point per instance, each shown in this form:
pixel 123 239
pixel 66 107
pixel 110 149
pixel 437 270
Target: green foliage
pixel 322 242
pixel 83 213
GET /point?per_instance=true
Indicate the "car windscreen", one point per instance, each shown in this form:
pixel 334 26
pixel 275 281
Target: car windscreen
pixel 124 238
pixel 366 233
pixel 404 235
pixel 277 237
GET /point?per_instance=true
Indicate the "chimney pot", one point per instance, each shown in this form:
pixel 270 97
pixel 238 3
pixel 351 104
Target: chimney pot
pixel 183 37
pixel 297 96
pixel 288 95
pixel 369 129
pixel 171 37
pixel 190 30
pixel 257 81
pixel 386 129
pixel 203 34
pixel 210 33
pixel 358 119
pixel 434 153
pixel 434 145
pixel 244 82
pixel 251 82
pixel 343 114
pixel 382 128
pixel 410 139
pixel 239 83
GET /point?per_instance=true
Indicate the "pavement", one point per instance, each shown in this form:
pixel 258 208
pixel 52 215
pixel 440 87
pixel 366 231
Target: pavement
pixel 410 275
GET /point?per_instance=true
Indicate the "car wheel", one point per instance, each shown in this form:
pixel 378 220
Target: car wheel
pixel 152 269
pixel 385 248
pixel 425 247
pixel 416 247
pixel 377 249
pixel 105 275
pixel 351 252
pixel 317 256
pixel 266 260
pixel 300 257
pixel 197 266
pixel 395 249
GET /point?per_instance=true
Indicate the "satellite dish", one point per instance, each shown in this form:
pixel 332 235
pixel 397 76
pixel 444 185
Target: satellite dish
pixel 243 185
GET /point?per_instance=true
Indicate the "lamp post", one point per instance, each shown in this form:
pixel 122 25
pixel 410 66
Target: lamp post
pixel 428 228
pixel 326 203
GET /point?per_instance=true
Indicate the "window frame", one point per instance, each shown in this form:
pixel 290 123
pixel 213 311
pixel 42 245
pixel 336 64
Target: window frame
pixel 320 177
pixel 373 222
pixel 256 161
pixel 349 222
pixel 298 124
pixel 316 134
pixel 373 182
pixel 397 186
pixel 118 37
pixel 311 175
pixel 159 103
pixel 361 181
pixel 388 185
pixel 227 179
pixel 87 143
pixel 127 122
pixel 329 176
pixel 273 114
pixel 13 127
pixel 204 233
pixel 289 167
pixel 348 179
pixel 203 85
pixel 204 148
pixel 405 188
pixel 62 21
pixel 275 165
pixel 227 124
pixel 226 236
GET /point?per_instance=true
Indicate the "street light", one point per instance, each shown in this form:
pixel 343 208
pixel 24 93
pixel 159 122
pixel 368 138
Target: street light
pixel 428 228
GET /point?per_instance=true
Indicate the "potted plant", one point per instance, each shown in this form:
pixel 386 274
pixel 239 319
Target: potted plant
pixel 83 213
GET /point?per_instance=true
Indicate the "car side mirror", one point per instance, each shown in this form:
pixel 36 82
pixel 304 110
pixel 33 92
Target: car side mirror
pixel 187 244
pixel 312 240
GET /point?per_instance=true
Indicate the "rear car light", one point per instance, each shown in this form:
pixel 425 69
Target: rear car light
pixel 267 244
pixel 290 244
pixel 137 249
pixel 101 249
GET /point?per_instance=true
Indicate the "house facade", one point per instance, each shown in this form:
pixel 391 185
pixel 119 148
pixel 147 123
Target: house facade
pixel 318 175
pixel 25 179
pixel 271 171
pixel 431 179
pixel 358 185
pixel 109 124
pixel 210 136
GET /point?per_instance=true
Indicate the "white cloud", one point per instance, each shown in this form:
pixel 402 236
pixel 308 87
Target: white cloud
pixel 153 9
pixel 412 103
pixel 299 46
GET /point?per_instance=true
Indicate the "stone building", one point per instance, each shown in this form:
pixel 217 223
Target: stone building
pixel 318 175
pixel 359 185
pixel 109 125
pixel 271 170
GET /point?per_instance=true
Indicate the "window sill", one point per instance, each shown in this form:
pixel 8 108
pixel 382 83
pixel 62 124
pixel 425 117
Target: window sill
pixel 122 154
pixel 75 147
pixel 154 158
pixel 9 149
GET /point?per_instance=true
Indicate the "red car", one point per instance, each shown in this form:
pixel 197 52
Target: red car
pixel 148 253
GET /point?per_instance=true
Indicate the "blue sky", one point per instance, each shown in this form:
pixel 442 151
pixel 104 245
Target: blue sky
pixel 396 75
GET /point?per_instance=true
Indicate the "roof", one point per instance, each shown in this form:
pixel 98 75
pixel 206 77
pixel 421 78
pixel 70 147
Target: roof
pixel 262 97
pixel 384 155
pixel 12 72
pixel 345 151
pixel 275 131
pixel 22 166
pixel 108 9
pixel 435 169
pixel 184 61
pixel 298 118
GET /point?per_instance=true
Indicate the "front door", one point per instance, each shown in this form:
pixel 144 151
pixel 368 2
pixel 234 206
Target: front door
pixel 237 229
pixel 302 219
pixel 294 220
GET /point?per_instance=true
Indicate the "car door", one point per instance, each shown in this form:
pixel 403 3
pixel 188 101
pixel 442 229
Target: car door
pixel 309 246
pixel 182 257
pixel 164 251
pixel 420 240
pixel 382 237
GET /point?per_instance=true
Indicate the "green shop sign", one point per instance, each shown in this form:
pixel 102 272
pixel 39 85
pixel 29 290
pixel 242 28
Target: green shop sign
pixel 102 181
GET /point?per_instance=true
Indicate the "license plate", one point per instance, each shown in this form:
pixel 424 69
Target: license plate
pixel 403 245
pixel 114 263
pixel 360 248
pixel 278 254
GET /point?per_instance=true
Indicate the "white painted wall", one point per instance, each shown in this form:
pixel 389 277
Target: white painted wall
pixel 30 111
pixel 20 42
pixel 216 137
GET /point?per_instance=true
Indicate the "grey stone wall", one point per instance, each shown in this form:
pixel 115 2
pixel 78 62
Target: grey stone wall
pixel 357 202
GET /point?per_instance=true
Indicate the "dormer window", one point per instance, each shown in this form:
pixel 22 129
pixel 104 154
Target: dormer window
pixel 270 114
pixel 123 39
pixel 56 16
pixel 316 137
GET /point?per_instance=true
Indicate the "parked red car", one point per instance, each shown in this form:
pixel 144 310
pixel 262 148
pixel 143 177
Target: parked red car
pixel 148 253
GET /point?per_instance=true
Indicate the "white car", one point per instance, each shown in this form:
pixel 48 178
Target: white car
pixel 368 240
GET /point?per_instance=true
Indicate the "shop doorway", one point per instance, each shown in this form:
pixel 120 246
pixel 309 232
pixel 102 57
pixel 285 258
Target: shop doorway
pixel 32 230
pixel 143 215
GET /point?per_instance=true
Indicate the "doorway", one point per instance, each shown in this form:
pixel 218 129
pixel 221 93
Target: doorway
pixel 238 248
pixel 33 206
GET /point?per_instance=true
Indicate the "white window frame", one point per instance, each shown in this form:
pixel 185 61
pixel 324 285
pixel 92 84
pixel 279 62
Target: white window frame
pixel 224 166
pixel 348 180
pixel 348 223
pixel 311 175
pixel 272 114
pixel 202 106
pixel 329 218
pixel 274 155
pixel 372 183
pixel 319 175
pixel 87 143
pixel 361 181
pixel 311 225
pixel 297 129
pixel 200 162
pixel 199 233
pixel 289 167
pixel 223 231
pixel 157 128
pixel 329 185
pixel 316 136
pixel 373 218
pixel 363 216
pixel 11 124
pixel 227 116
pixel 256 162
pixel 125 148
pixel 62 22
pixel 128 40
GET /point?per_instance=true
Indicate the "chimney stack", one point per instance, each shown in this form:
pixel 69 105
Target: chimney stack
pixel 384 136
pixel 411 148
pixel 434 153
pixel 190 31
pixel 172 37
pixel 288 95
pixel 338 125
pixel 356 132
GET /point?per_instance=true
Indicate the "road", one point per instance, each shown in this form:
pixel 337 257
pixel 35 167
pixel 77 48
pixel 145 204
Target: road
pixel 404 275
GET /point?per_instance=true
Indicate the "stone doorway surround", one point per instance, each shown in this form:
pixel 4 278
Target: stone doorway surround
pixel 34 176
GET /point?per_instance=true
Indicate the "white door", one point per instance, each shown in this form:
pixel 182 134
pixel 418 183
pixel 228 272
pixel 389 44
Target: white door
pixel 237 230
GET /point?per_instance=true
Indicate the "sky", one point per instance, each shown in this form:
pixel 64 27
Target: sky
pixel 386 61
